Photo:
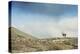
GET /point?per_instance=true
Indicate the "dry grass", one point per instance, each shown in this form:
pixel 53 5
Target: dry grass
pixel 21 43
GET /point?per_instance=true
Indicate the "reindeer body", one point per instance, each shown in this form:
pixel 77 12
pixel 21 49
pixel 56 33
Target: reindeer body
pixel 64 34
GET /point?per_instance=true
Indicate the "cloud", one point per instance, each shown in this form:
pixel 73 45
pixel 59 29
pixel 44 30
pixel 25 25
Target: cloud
pixel 47 29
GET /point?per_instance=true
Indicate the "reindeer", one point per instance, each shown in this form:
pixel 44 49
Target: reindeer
pixel 64 34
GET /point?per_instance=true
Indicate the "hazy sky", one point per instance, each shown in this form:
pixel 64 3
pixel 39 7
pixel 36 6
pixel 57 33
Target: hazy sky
pixel 45 20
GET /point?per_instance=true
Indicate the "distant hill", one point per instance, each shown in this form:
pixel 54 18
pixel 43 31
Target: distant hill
pixel 15 31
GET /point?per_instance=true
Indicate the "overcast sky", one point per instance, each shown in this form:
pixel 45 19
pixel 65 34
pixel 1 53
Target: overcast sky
pixel 45 20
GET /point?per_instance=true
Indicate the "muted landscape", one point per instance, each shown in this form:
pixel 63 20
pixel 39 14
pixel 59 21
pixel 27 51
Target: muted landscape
pixel 22 42
pixel 35 27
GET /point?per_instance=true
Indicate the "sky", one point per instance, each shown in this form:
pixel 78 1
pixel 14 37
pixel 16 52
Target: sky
pixel 45 20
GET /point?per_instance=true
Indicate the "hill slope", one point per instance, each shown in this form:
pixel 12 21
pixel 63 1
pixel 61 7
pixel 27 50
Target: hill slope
pixel 23 42
pixel 20 41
